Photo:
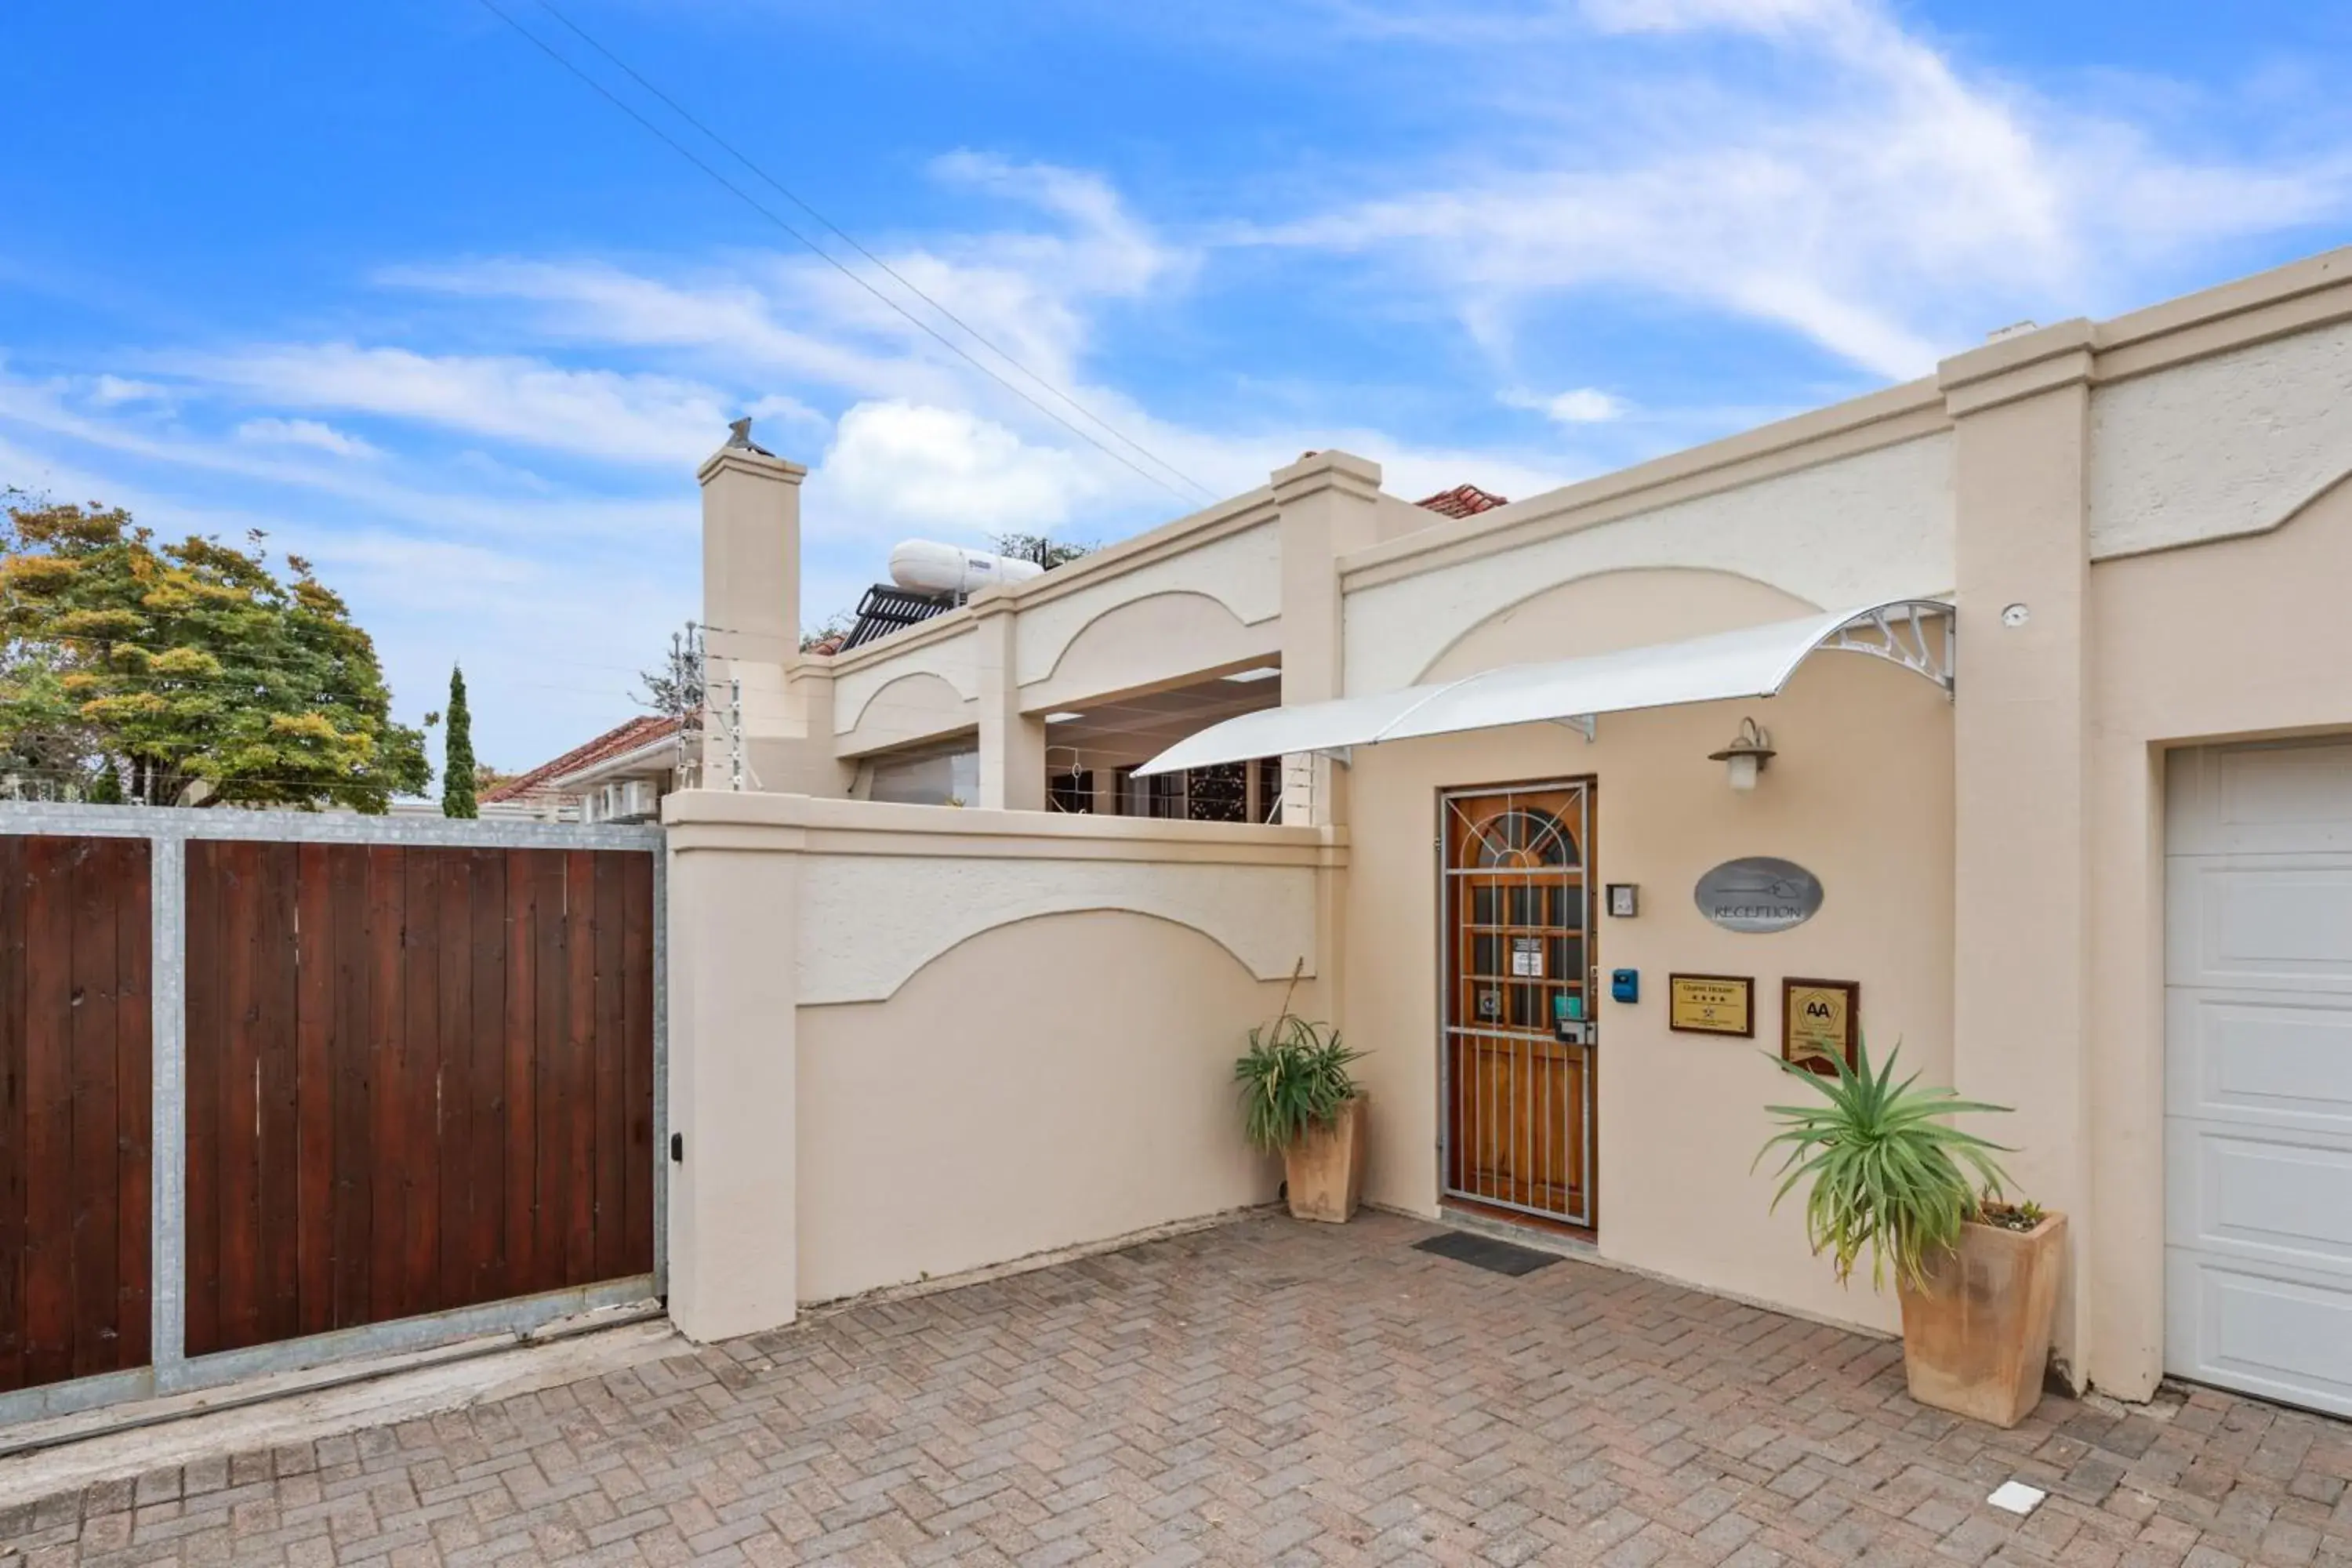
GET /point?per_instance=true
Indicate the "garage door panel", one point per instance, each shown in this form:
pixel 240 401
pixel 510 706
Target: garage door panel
pixel 2260 920
pixel 2292 797
pixel 2269 1060
pixel 2260 1197
pixel 2267 1332
pixel 2258 1070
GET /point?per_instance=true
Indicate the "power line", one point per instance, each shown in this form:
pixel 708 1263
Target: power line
pixel 851 240
pixel 835 263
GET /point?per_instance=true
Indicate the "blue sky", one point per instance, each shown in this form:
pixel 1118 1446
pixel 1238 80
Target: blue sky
pixel 387 282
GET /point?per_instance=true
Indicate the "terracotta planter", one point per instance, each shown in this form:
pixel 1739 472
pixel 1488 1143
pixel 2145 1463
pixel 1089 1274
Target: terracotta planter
pixel 1977 1340
pixel 1325 1168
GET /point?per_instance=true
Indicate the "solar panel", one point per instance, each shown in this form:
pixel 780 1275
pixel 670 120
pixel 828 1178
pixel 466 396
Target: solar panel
pixel 887 609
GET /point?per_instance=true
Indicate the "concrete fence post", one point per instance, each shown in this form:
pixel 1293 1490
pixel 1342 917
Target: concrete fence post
pixel 734 983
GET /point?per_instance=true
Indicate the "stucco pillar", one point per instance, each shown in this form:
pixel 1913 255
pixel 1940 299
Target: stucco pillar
pixel 734 920
pixel 1012 744
pixel 751 600
pixel 1329 503
pixel 2021 1004
pixel 808 766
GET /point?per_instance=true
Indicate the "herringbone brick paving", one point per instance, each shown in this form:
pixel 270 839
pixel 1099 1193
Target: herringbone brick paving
pixel 1267 1392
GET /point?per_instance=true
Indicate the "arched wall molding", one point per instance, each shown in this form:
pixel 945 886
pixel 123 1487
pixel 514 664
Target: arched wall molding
pixel 1860 530
pixel 1709 599
pixel 905 707
pixel 1149 643
pixel 1001 928
pixel 2237 444
pixel 952 659
pixel 1242 571
pixel 869 922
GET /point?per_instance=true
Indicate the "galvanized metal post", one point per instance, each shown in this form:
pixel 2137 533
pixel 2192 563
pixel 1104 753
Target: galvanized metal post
pixel 167 1144
pixel 735 733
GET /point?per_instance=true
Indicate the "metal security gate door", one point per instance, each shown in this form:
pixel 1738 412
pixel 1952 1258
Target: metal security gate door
pixel 1518 919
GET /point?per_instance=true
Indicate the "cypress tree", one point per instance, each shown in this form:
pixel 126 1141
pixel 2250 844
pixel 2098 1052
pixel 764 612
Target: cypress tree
pixel 458 754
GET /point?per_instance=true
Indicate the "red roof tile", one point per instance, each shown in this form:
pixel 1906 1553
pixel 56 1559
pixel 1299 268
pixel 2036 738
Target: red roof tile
pixel 642 731
pixel 1463 500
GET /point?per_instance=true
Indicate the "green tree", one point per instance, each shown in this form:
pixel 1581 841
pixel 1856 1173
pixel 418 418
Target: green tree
pixel 458 774
pixel 1046 552
pixel 190 672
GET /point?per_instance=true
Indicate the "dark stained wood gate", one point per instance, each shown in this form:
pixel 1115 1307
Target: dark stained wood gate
pixel 76 937
pixel 418 1078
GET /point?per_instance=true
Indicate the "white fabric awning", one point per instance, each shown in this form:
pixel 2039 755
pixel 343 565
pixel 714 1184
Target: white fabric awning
pixel 1756 661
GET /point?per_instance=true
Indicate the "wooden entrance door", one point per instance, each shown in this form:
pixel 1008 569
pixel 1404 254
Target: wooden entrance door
pixel 1518 965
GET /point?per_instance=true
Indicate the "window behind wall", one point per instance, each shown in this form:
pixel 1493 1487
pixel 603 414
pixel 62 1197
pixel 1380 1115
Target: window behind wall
pixel 1072 792
pixel 1269 788
pixel 934 778
pixel 1219 794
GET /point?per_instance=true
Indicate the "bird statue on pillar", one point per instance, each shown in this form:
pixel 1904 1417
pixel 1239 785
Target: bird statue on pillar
pixel 739 437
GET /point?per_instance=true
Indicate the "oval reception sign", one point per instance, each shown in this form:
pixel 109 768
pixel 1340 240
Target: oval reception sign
pixel 1758 893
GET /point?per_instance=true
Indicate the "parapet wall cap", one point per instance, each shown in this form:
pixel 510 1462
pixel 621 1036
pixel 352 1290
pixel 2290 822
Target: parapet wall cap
pixel 750 460
pixel 2014 351
pixel 1319 471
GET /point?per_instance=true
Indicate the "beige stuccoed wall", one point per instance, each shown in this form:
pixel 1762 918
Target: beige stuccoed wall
pixel 1056 1080
pixel 2230 640
pixel 1825 525
pixel 912 1040
pixel 1861 795
pixel 1612 610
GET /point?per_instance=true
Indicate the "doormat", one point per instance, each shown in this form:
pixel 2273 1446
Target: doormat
pixel 1486 1252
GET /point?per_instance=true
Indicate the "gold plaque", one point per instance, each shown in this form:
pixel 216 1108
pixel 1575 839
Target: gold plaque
pixel 1711 1003
pixel 1819 1022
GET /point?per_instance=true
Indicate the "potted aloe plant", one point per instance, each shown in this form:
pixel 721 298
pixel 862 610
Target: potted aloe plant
pixel 1298 1100
pixel 1977 1277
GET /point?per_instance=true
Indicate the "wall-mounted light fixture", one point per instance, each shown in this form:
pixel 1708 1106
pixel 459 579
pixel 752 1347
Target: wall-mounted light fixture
pixel 1746 756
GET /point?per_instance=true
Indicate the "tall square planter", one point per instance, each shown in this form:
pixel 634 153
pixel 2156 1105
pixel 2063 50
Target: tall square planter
pixel 1324 1167
pixel 1976 1339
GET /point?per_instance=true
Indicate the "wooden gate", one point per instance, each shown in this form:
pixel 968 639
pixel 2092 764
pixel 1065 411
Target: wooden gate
pixel 277 1090
pixel 418 1078
pixel 75 936
pixel 1518 967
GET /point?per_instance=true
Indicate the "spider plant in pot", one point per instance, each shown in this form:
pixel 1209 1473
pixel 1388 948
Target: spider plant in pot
pixel 1977 1279
pixel 1299 1101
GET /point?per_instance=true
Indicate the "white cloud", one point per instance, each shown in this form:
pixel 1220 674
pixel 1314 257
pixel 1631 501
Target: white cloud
pixel 729 316
pixel 1747 15
pixel 570 514
pixel 611 414
pixel 1104 250
pixel 1024 289
pixel 305 433
pixel 1578 405
pixel 896 467
pixel 109 391
pixel 1835 175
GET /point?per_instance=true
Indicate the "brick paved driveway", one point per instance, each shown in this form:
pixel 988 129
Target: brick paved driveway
pixel 1266 1392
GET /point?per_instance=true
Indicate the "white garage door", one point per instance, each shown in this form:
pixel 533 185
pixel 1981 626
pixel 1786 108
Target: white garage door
pixel 2258 1070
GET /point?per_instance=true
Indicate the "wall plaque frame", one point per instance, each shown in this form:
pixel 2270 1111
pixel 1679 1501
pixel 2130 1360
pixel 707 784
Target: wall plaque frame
pixel 1712 1004
pixel 1821 1021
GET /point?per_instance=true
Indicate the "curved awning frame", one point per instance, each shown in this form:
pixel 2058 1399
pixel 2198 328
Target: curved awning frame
pixel 1904 638
pixel 1753 662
